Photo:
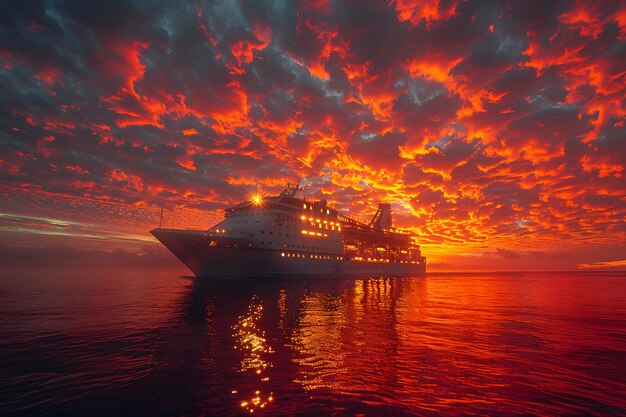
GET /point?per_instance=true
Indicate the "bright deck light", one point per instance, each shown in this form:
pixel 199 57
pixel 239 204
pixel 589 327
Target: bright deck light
pixel 257 199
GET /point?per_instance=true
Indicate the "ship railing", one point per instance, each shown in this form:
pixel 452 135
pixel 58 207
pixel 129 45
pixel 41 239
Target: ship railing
pixel 367 227
pixel 351 221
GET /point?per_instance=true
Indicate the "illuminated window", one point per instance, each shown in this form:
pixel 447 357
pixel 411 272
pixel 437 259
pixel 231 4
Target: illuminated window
pixel 282 254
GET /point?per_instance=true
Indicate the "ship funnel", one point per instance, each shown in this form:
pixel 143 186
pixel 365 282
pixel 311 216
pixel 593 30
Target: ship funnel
pixel 382 217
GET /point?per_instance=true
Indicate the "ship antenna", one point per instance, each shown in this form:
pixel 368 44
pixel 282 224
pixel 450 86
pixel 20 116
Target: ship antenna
pixel 291 190
pixel 297 187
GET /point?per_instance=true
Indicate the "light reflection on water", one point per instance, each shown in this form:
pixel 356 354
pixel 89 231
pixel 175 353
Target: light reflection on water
pixel 146 342
pixel 252 341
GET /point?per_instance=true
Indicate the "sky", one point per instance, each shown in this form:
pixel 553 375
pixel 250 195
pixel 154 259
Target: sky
pixel 495 129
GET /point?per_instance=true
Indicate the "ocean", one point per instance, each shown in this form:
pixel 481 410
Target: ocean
pixel 156 342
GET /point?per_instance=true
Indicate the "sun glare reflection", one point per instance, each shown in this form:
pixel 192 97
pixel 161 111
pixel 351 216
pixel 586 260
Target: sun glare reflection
pixel 251 340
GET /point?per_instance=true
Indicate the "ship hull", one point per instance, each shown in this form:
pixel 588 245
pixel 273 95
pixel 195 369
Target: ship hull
pixel 210 256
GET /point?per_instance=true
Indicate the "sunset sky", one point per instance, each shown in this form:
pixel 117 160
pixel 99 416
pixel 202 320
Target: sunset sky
pixel 495 129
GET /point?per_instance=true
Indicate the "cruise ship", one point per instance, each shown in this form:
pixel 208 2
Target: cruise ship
pixel 285 236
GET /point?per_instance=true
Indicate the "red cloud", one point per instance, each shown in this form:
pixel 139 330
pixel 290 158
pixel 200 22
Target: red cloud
pixel 428 11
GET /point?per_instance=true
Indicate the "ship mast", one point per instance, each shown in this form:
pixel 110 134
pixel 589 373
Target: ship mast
pixel 291 189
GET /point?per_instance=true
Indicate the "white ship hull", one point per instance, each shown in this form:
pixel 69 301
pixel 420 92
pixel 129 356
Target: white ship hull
pixel 207 255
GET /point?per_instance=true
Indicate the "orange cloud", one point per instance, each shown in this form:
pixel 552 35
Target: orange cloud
pixel 428 11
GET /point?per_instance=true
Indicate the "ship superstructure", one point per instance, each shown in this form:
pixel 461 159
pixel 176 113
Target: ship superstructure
pixel 285 236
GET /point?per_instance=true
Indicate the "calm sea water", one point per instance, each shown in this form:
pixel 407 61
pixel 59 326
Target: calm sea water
pixel 149 342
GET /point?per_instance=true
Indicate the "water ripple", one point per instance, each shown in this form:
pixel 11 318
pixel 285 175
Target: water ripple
pixel 149 342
